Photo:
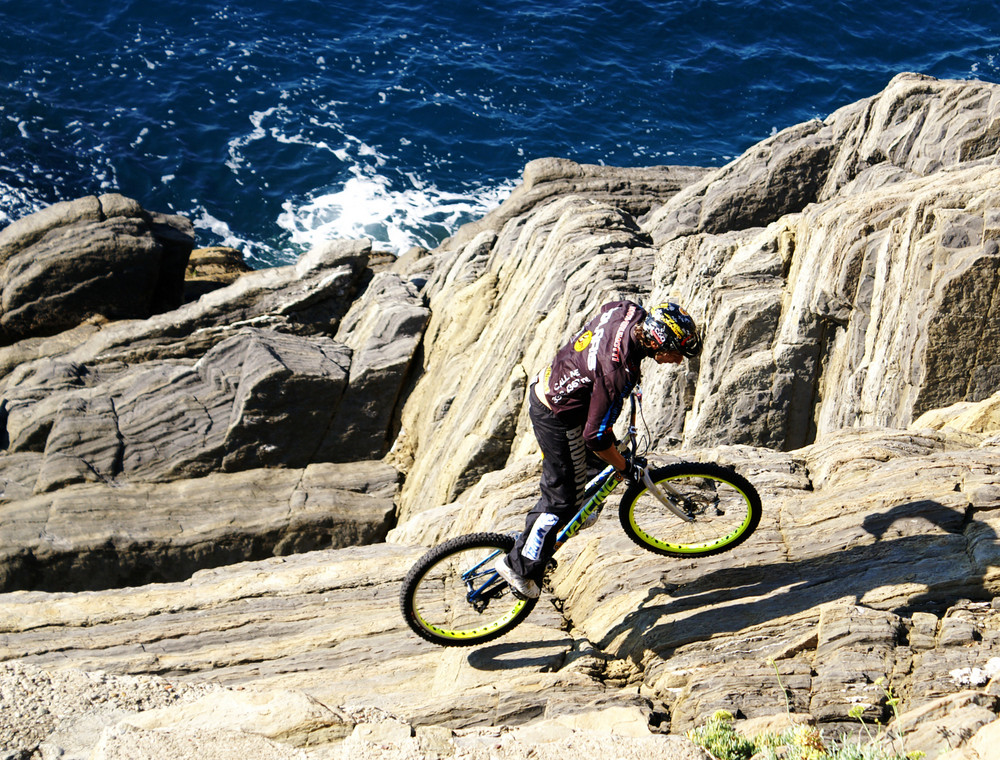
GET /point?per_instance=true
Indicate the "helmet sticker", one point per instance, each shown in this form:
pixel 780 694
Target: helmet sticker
pixel 655 331
pixel 674 329
pixel 673 325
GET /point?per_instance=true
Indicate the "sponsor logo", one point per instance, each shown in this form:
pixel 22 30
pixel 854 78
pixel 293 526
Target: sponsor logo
pixel 583 341
pixel 533 546
pixel 595 344
pixel 616 353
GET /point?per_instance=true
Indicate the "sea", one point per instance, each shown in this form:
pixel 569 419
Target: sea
pixel 276 124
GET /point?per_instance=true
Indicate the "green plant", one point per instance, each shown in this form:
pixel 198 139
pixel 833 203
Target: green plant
pixel 801 742
pixel 892 701
pixel 720 737
pixel 806 743
pixel 784 691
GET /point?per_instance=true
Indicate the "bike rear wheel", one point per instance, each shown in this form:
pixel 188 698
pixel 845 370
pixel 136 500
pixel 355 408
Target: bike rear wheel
pixel 453 596
pixel 724 506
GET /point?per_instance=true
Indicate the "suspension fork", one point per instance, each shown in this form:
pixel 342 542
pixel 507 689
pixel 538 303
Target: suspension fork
pixel 656 493
pixel 635 399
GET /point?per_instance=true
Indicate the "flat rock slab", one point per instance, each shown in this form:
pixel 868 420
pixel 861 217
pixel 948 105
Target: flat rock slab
pixel 98 536
pixel 326 623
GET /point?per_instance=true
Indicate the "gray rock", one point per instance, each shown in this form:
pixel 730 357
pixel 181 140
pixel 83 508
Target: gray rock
pixel 945 724
pixel 780 175
pixel 194 394
pixel 258 399
pixel 833 335
pixel 255 398
pixel 87 715
pixel 98 536
pixel 285 399
pixel 633 190
pixel 306 298
pixel 384 329
pixel 855 648
pixel 94 256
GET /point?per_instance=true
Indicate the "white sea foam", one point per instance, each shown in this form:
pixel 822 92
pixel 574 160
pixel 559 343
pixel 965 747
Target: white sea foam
pixel 396 210
pixel 367 207
pixel 205 221
pixel 13 197
pixel 255 253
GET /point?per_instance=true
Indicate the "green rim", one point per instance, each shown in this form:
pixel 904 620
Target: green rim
pixel 695 548
pixel 471 633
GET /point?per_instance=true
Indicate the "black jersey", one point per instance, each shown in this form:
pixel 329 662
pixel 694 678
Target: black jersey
pixel 591 376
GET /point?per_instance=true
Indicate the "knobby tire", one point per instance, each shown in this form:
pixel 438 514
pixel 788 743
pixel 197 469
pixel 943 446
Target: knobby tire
pixel 433 598
pixel 726 508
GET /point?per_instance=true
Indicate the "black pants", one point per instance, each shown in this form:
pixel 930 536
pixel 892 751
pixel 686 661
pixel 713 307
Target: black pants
pixel 564 477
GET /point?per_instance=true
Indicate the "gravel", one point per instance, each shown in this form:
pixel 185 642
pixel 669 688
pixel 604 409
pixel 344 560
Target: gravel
pixel 78 715
pixel 36 705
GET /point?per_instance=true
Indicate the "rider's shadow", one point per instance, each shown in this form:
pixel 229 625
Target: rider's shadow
pixel 900 554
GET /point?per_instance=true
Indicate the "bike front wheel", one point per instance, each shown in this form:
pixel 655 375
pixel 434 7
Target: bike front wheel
pixel 453 595
pixel 722 506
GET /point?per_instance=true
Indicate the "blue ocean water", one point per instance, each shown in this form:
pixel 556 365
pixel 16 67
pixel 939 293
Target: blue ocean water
pixel 275 124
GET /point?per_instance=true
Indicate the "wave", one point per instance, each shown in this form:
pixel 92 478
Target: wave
pixel 367 206
pixel 372 197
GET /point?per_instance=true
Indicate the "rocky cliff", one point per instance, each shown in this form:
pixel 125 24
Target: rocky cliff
pixel 216 500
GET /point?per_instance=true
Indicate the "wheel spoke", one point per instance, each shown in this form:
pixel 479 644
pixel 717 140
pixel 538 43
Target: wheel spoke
pixel 724 507
pixel 453 596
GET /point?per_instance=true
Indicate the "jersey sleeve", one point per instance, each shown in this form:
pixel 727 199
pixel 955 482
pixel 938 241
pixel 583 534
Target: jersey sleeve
pixel 605 406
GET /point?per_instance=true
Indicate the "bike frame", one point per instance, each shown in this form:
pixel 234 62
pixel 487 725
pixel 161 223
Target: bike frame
pixel 605 482
pixel 595 494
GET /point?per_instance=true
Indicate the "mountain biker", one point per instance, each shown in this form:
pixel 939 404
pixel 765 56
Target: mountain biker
pixel 573 406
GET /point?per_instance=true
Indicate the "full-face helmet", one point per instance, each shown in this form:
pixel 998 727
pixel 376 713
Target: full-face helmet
pixel 669 328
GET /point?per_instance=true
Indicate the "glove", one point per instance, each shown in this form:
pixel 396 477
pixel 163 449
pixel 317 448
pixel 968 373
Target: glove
pixel 634 469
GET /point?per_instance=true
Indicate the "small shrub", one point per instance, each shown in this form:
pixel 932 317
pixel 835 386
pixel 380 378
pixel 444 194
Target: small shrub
pixel 720 737
pixel 803 742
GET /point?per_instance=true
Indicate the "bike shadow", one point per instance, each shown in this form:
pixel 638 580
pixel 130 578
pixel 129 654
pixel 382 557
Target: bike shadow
pixel 735 598
pixel 521 654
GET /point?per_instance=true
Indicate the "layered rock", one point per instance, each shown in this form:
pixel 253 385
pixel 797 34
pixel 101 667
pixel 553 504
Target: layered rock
pixel 634 190
pixel 212 268
pixel 283 368
pixel 868 306
pixel 101 255
pixel 844 272
pixel 496 318
pixel 876 559
pixel 98 536
pixel 242 378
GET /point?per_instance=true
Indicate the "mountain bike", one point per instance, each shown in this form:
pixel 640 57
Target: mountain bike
pixel 453 596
